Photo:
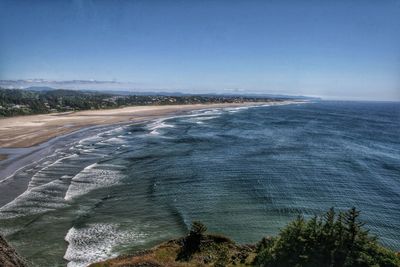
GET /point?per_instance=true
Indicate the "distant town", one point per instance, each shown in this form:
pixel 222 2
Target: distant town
pixel 35 100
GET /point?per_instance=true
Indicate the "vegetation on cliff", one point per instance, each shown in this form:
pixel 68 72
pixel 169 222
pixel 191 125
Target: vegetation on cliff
pixel 334 239
pixel 329 240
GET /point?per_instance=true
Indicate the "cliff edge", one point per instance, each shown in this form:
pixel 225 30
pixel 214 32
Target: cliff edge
pixel 8 256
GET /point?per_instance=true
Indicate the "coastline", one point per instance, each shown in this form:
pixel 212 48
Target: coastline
pixel 42 134
pixel 194 137
pixel 32 130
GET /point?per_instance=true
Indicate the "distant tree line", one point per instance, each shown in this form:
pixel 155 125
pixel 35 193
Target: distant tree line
pixel 24 102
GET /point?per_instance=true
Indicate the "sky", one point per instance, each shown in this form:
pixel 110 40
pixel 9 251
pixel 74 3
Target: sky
pixel 332 49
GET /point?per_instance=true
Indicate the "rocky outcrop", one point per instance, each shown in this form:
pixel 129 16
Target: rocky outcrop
pixel 8 256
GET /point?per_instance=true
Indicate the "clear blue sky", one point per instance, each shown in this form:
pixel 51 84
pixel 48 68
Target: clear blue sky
pixel 335 49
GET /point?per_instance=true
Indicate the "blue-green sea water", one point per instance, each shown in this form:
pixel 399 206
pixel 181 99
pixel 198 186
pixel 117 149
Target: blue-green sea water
pixel 244 172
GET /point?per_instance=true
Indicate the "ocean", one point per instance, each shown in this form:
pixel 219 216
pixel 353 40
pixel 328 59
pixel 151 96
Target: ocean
pixel 244 172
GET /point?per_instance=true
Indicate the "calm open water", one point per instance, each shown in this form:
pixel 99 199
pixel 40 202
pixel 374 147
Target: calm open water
pixel 244 172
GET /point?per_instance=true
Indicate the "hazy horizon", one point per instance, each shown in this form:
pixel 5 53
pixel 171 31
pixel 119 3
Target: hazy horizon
pixel 333 50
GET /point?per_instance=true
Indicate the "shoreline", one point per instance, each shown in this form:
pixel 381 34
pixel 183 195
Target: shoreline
pixel 32 130
pixel 189 128
pixel 21 158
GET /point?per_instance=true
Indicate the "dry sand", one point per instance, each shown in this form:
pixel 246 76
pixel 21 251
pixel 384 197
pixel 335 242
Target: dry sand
pixel 27 131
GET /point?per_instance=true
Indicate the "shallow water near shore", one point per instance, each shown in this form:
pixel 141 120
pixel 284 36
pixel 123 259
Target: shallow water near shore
pixel 244 172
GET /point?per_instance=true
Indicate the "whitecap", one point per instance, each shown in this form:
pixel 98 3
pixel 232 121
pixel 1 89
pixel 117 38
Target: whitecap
pixel 114 140
pixel 39 199
pixel 93 177
pixel 200 119
pixel 96 241
pixel 159 124
pixel 42 177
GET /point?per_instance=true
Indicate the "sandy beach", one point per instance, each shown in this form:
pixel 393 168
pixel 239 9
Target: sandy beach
pixel 24 140
pixel 27 131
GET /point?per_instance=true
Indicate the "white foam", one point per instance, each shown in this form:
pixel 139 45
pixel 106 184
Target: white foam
pixel 200 119
pixel 99 137
pixel 115 140
pixel 40 177
pixel 159 124
pixel 155 132
pixel 236 109
pixel 39 199
pixel 93 177
pixel 90 140
pixel 95 242
pixel 113 131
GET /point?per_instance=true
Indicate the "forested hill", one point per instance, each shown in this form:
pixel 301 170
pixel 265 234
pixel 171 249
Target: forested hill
pixel 24 102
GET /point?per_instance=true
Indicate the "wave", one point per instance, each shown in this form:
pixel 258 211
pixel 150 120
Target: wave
pixel 37 200
pixel 90 140
pixel 159 124
pixel 236 109
pixel 93 177
pixel 46 174
pixel 95 242
pixel 232 174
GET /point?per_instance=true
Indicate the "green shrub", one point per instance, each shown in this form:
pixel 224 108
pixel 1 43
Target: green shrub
pixel 329 240
pixel 223 258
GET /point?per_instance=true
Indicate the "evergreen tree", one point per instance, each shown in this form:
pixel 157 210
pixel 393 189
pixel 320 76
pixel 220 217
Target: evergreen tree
pixel 331 240
pixel 191 243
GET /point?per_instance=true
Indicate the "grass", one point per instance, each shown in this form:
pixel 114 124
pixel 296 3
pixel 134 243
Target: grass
pixel 215 250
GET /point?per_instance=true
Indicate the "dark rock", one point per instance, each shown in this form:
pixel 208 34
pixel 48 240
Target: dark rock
pixel 8 256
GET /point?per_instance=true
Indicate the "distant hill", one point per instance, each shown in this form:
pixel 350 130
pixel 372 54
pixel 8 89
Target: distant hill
pixel 40 88
pixel 176 93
